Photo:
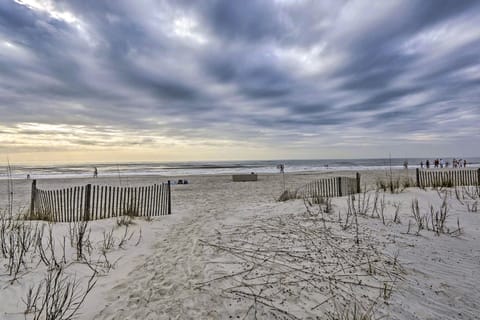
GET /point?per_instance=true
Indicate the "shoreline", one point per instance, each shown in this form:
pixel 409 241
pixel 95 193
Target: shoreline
pixel 178 169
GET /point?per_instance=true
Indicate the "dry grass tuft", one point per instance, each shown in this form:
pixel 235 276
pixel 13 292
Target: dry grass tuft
pixel 296 265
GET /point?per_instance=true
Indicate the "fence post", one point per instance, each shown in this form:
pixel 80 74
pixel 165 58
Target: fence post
pixel 169 199
pixel 86 214
pixel 32 198
pixel 358 182
pixel 339 186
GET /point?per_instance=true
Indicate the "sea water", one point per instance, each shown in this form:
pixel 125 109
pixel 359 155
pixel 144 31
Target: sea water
pixel 206 167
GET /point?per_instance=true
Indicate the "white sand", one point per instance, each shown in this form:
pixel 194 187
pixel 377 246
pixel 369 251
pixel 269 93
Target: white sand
pixel 159 277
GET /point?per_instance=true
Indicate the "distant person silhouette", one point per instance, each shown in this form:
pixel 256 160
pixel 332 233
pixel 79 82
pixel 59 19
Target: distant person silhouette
pixel 95 172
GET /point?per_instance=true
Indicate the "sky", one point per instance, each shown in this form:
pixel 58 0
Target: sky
pixel 164 80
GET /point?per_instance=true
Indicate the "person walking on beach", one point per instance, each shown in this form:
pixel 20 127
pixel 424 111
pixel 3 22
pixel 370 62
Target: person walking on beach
pixel 464 163
pixel 95 172
pixel 428 164
pixel 421 164
pixel 405 164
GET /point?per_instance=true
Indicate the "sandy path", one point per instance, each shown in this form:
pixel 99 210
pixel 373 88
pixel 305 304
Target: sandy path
pixel 162 286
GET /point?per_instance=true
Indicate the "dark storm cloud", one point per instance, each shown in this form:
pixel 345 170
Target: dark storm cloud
pixel 211 69
pixel 251 21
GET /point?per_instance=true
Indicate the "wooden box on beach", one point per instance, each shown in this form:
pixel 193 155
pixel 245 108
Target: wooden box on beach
pixel 244 177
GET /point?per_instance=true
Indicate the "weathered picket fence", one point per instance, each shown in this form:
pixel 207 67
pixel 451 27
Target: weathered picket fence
pixel 332 187
pixel 92 202
pixel 447 177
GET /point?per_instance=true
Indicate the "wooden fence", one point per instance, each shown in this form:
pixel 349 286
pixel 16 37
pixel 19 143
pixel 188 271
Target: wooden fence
pixel 99 202
pixel 332 187
pixel 447 177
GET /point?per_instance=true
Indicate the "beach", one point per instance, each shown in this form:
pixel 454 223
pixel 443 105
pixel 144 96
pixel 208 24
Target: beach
pixel 184 266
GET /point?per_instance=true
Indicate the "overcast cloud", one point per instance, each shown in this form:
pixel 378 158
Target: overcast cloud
pixel 315 79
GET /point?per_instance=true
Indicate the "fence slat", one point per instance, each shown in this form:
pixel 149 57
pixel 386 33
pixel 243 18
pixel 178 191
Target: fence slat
pixel 155 200
pixel 57 204
pixel 166 199
pixel 150 196
pixel 142 200
pixel 136 202
pixel 40 202
pixel 50 208
pixel 44 204
pixel 117 201
pixel 133 201
pixel 47 211
pixel 105 203
pixel 169 203
pixel 71 195
pixel 146 201
pixel 154 189
pixel 100 202
pixel 62 203
pixel 82 201
pixel 95 202
pixel 108 199
pixel 160 212
pixel 81 211
pixel 78 203
pixel 75 202
pixel 123 202
pixel 159 202
pixel 50 203
pixel 141 196
pixel 113 202
pixel 67 203
pixel 152 210
pixel 162 199
pixel 86 201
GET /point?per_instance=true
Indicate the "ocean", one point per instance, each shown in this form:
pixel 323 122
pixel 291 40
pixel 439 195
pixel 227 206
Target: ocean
pixel 204 168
